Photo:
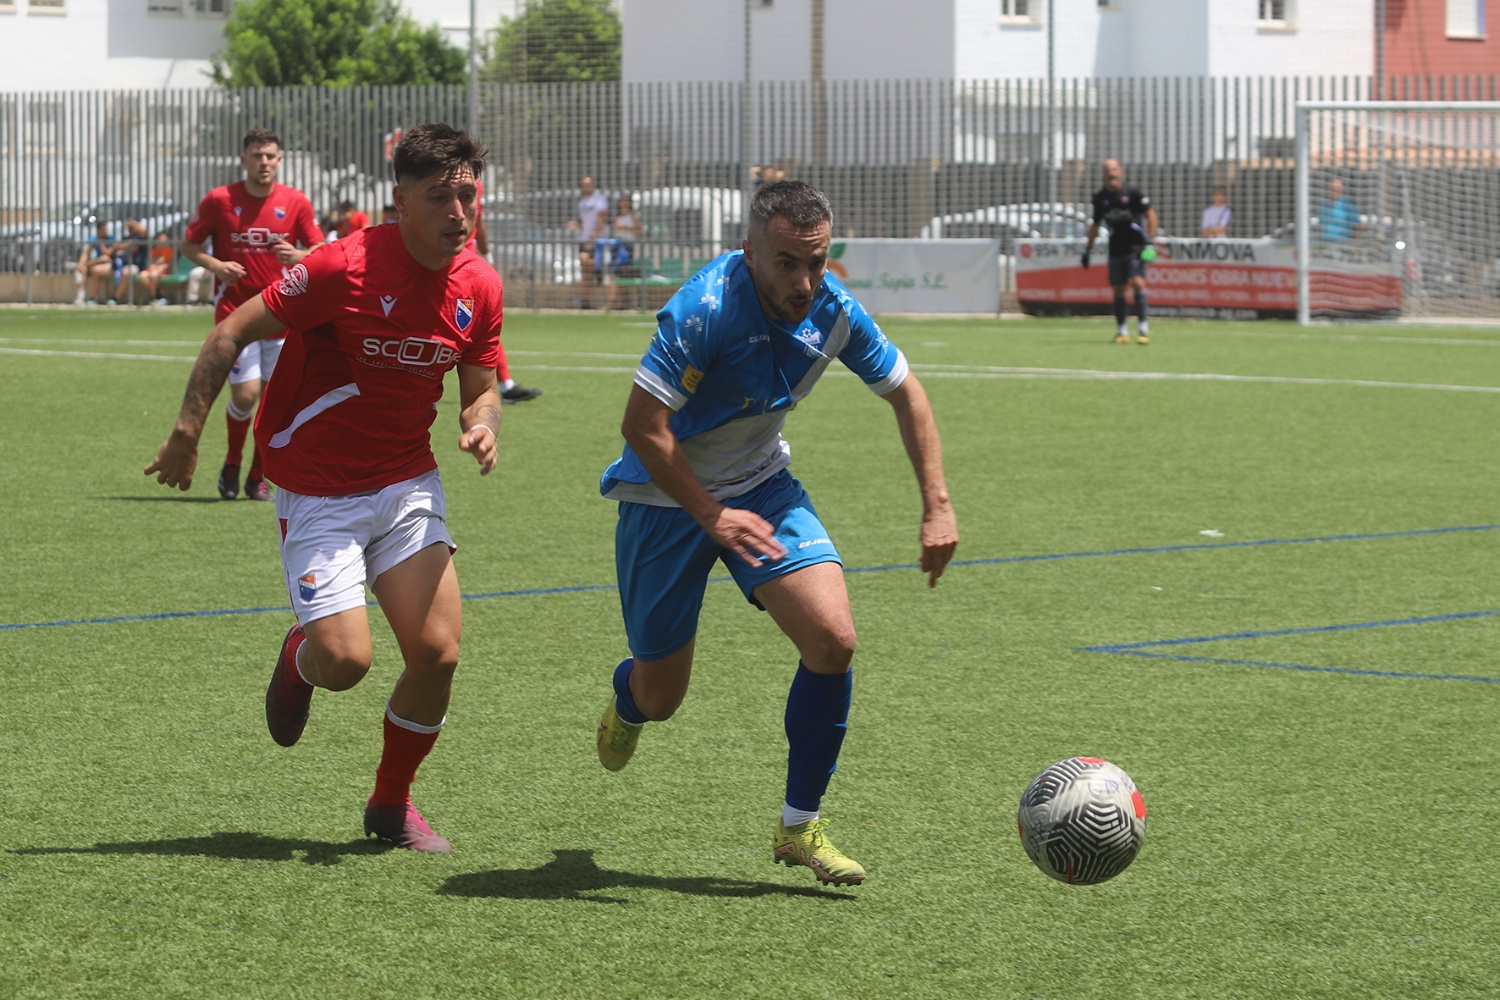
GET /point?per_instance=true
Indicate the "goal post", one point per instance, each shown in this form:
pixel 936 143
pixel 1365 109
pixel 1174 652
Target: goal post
pixel 1398 209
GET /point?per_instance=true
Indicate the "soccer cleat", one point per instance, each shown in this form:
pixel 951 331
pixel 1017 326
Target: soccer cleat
pixel 615 739
pixel 256 489
pixel 403 826
pixel 519 394
pixel 808 844
pixel 229 481
pixel 288 696
pixel 1143 338
pixel 1122 338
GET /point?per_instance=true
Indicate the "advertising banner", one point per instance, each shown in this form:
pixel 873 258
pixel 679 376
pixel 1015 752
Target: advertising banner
pixel 1216 279
pixel 920 276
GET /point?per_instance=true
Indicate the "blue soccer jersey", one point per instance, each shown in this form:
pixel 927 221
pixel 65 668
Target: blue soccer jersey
pixel 730 373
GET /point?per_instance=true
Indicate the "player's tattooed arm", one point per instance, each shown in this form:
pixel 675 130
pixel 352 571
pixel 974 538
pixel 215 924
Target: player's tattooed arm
pixel 177 458
pixel 479 420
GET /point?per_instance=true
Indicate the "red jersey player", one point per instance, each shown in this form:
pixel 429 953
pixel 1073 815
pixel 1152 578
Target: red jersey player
pixel 379 318
pixel 253 224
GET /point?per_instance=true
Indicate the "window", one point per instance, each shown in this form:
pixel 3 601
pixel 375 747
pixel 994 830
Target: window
pixel 1465 18
pixel 1275 13
pixel 1022 11
pixel 164 7
pixel 47 6
pixel 213 6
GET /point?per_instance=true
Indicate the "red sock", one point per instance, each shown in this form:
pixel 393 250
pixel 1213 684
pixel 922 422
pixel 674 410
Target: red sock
pixel 502 368
pixel 237 431
pixel 403 754
pixel 255 472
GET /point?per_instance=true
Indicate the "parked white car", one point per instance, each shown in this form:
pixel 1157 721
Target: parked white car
pixel 1009 223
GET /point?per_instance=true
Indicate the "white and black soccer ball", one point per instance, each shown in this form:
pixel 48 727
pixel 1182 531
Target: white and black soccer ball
pixel 1082 820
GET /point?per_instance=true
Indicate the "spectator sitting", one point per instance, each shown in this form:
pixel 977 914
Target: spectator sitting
pixel 96 266
pixel 1215 225
pixel 134 256
pixel 162 257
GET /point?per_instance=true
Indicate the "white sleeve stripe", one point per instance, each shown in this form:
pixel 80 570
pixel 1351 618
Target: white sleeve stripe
pixel 660 388
pixel 893 381
pixel 327 401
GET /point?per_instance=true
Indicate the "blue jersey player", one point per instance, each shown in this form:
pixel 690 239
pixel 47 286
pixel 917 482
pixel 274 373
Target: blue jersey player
pixel 704 478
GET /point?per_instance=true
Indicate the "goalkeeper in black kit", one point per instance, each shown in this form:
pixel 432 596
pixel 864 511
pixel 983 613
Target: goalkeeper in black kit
pixel 1132 228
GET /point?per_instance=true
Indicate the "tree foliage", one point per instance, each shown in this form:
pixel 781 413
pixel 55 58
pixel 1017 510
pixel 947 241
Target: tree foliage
pixel 309 43
pixel 557 41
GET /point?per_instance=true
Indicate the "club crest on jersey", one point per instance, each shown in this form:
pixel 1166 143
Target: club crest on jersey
pixel 463 313
pixel 280 212
pixel 236 211
pixel 307 586
pixel 293 280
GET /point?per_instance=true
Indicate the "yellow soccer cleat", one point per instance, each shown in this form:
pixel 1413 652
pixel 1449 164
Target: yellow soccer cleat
pixel 616 739
pixel 808 844
pixel 1143 338
pixel 1122 338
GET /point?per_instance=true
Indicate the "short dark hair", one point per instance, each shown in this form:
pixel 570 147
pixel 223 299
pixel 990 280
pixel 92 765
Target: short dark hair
pixel 798 202
pixel 260 137
pixel 434 148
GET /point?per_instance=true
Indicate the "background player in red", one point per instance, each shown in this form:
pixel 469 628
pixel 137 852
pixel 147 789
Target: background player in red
pixel 378 319
pixel 254 225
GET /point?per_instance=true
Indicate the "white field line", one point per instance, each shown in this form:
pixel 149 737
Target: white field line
pixel 926 370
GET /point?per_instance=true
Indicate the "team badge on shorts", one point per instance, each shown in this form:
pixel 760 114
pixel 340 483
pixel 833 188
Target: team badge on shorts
pixel 463 314
pixel 307 586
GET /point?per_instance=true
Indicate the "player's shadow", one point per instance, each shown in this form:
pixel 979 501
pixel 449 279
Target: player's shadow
pixel 575 875
pixel 173 497
pixel 234 846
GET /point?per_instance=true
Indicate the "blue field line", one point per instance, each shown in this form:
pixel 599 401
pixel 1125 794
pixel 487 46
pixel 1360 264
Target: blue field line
pixel 1139 648
pixel 996 561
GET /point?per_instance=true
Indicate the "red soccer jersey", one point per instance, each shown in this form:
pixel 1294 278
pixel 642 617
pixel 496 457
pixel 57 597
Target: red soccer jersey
pixel 357 385
pixel 244 228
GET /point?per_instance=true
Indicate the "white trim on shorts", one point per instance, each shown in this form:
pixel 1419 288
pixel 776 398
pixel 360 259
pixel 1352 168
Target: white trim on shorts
pixel 331 547
pixel 257 360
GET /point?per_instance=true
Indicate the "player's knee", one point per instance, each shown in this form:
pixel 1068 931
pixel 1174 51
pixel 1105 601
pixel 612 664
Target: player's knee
pixel 433 664
pixel 831 650
pixel 340 669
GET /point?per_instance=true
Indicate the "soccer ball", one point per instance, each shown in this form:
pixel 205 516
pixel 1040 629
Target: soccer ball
pixel 1082 820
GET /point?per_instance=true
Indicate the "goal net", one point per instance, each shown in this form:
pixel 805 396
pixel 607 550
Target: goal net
pixel 1398 210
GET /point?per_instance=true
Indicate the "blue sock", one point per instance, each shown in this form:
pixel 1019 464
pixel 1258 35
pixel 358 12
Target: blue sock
pixel 817 715
pixel 624 702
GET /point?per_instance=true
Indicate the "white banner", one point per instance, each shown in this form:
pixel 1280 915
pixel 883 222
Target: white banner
pixel 920 276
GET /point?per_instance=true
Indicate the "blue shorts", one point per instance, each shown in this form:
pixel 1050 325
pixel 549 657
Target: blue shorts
pixel 663 558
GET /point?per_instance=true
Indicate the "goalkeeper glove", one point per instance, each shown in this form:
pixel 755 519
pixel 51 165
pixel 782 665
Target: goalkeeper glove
pixel 1086 259
pixel 1148 253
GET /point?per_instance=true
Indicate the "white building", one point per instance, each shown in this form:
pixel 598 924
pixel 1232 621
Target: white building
pixel 682 40
pixel 150 44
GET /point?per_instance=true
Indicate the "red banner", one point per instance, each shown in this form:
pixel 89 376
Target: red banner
pixel 1223 279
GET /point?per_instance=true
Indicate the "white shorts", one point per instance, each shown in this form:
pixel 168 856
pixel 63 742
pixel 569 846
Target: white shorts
pixel 332 546
pixel 256 361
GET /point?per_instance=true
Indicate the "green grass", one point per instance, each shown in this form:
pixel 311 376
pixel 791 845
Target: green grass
pixel 1322 832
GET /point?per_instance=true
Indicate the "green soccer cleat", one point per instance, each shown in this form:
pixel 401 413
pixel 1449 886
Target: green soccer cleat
pixel 616 739
pixel 808 844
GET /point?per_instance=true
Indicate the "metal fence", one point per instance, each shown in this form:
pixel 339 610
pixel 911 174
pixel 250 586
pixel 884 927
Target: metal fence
pixel 897 158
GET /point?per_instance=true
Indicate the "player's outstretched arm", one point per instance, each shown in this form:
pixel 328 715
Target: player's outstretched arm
pixel 479 420
pixel 178 456
pixel 919 434
pixel 648 430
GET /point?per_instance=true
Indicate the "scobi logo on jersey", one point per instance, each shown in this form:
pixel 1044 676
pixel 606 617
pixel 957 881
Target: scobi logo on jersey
pixel 257 238
pixel 409 352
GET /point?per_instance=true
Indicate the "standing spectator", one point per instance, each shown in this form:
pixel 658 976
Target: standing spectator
pixel 1338 217
pixel 351 219
pixel 1216 217
pixel 627 228
pixel 255 225
pixel 96 266
pixel 382 315
pixel 704 478
pixel 591 225
pixel 1132 226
